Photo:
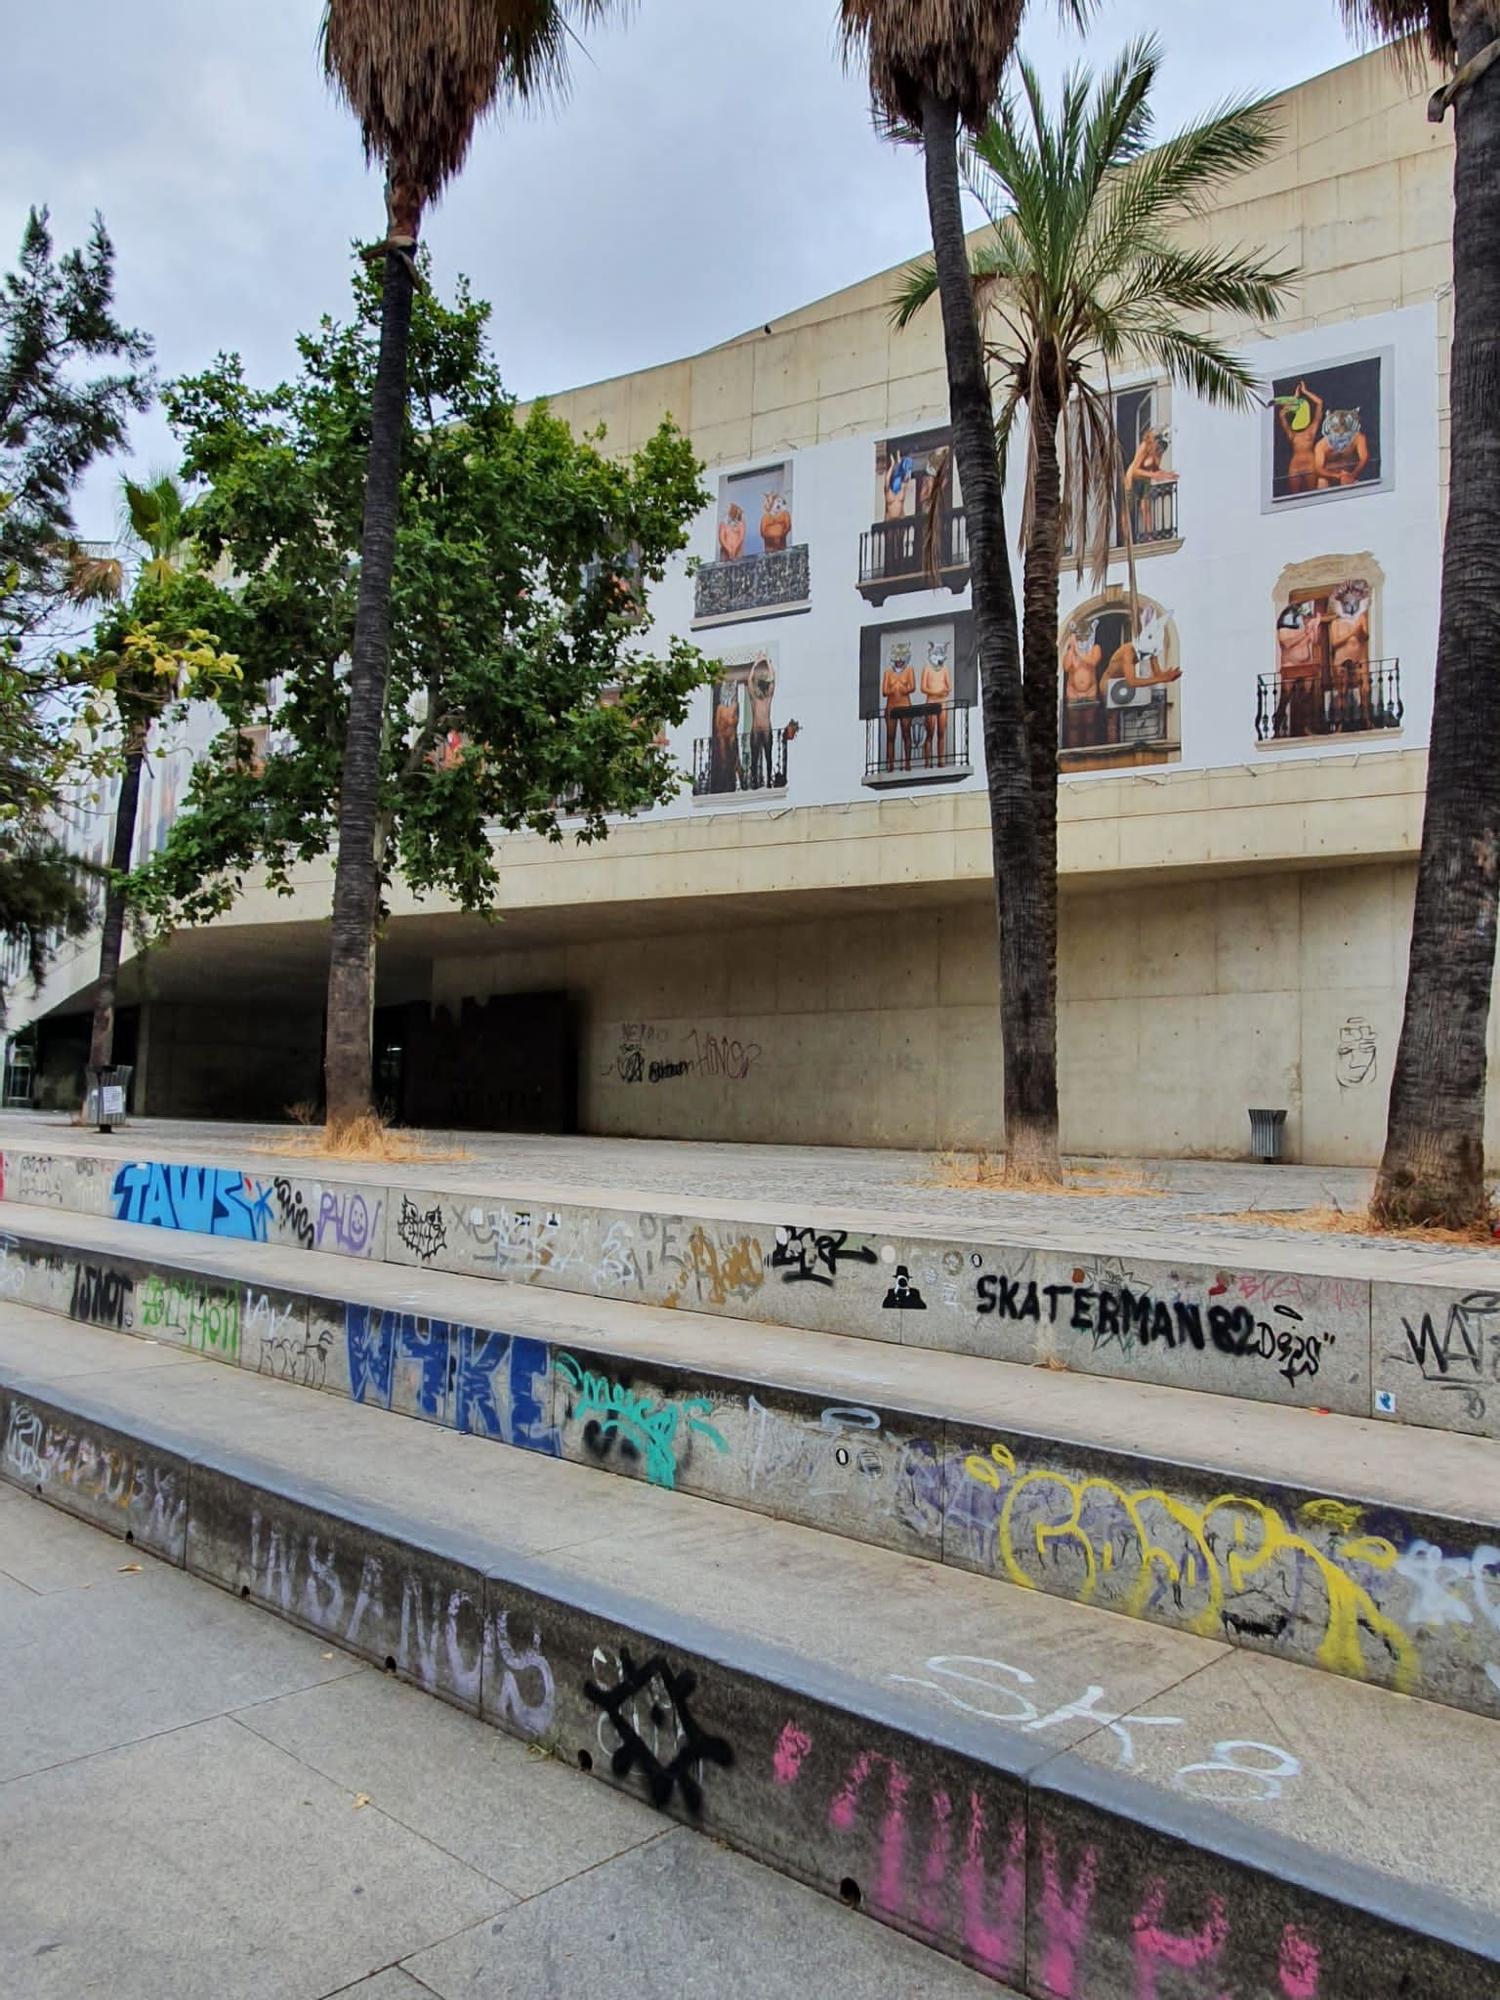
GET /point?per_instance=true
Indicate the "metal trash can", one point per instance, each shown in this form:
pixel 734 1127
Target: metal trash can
pixel 108 1089
pixel 1267 1131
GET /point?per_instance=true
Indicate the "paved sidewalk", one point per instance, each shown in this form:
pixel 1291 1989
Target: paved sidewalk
pixel 1138 1194
pixel 198 1802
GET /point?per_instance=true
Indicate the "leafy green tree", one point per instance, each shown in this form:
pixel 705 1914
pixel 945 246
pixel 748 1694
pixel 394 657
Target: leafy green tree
pixel 71 375
pixel 1433 1165
pixel 151 657
pixel 1080 273
pixel 520 691
pixel 935 68
pixel 419 79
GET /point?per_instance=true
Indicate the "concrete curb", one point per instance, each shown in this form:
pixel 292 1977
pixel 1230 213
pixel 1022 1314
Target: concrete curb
pixel 1341 1580
pixel 1318 1326
pixel 1035 1869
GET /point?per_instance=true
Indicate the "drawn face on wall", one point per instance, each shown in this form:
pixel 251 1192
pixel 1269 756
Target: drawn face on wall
pixel 1350 599
pixel 937 653
pixel 1356 1057
pixel 1341 428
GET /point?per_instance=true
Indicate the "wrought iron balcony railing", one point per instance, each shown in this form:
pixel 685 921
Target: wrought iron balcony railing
pixel 753 586
pixel 1153 518
pixel 1328 701
pixel 920 745
pixel 753 761
pixel 893 557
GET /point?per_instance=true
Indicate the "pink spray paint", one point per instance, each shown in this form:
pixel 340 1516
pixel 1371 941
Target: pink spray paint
pixel 842 1814
pixel 1064 1919
pixel 1300 1964
pixel 1155 1947
pixel 935 1874
pixel 990 1937
pixel 792 1747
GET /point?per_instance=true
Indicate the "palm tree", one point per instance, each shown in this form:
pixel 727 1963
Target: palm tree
pixel 155 519
pixel 1433 1166
pixel 419 75
pixel 935 66
pixel 1080 273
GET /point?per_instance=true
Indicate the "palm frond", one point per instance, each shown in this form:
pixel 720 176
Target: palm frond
pixel 421 76
pixel 1407 23
pixel 955 50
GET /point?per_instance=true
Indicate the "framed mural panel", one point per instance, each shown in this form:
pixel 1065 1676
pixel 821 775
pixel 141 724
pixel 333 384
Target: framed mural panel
pixel 1328 431
pixel 1329 678
pixel 1120 686
pixel 759 569
pixel 745 750
pixel 1147 481
pixel 918 687
pixel 915 473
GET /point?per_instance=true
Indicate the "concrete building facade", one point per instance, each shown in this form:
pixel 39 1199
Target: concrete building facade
pixel 801 946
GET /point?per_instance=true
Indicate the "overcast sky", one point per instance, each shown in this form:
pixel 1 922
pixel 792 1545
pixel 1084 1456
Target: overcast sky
pixel 712 170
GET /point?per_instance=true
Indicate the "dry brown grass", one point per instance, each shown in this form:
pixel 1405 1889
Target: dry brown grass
pixel 367 1138
pixel 990 1170
pixel 1356 1222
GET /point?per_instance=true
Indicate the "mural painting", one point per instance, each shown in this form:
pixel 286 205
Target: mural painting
pixel 918 681
pixel 1142 505
pixel 1325 681
pixel 758 569
pixel 1119 708
pixel 744 750
pixel 918 536
pixel 1327 431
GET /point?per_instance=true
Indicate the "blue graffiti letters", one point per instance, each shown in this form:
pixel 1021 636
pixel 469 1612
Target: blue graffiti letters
pixel 211 1201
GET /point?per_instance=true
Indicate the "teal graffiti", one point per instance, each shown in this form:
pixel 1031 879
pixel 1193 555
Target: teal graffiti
pixel 651 1427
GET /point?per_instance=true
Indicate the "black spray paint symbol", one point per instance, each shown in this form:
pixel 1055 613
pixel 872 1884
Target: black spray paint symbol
pixel 669 1699
pixel 423 1233
pixel 903 1296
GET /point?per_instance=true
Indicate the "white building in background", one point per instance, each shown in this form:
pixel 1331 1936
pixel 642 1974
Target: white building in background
pixel 801 946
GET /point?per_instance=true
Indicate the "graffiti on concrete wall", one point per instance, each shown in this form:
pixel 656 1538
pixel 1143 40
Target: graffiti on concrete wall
pixel 348 1223
pixel 641 1426
pixel 650 1052
pixel 101 1296
pixel 1136 1320
pixel 210 1201
pixel 444 1638
pixel 423 1231
pixel 1359 1598
pixel 518 1243
pixel 293 1214
pixel 646 1724
pixel 494 1384
pixel 954 1867
pixel 204 1317
pixel 42 1451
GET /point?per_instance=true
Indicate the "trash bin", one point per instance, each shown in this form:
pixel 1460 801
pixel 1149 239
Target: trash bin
pixel 1267 1130
pixel 108 1089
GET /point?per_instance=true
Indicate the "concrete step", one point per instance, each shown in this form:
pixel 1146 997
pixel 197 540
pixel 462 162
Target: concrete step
pixel 1084 1806
pixel 1399 1332
pixel 1361 1549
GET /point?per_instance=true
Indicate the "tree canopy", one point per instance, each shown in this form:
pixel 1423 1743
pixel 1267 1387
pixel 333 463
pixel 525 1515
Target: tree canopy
pixel 521 693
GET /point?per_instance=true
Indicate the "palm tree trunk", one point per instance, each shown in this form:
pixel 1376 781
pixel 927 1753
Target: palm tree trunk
pixel 1027 970
pixel 1433 1168
pixel 1039 593
pixel 112 938
pixel 348 1059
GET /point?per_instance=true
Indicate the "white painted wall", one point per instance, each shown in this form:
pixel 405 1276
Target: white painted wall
pixel 1219 585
